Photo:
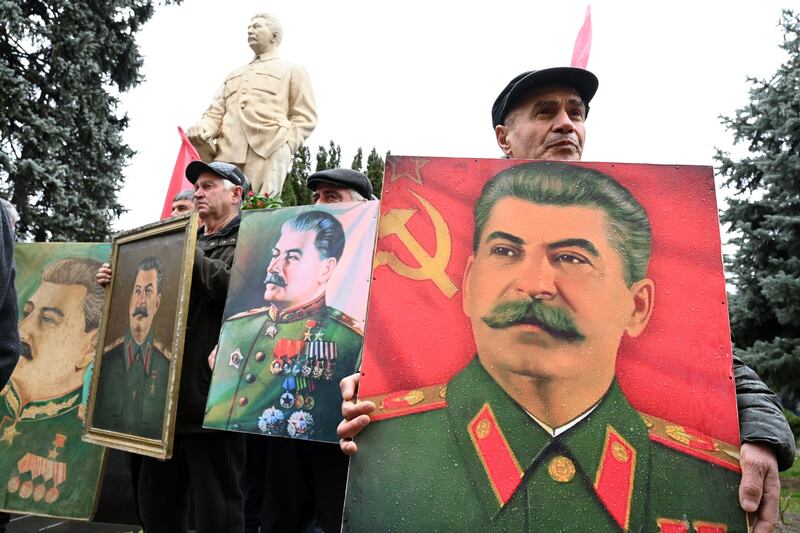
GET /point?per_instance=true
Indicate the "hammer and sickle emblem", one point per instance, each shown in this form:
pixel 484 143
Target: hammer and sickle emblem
pixel 430 266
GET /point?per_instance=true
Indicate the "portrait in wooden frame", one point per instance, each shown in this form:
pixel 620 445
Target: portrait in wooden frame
pixel 134 388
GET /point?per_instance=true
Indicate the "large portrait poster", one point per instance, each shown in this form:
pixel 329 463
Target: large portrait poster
pixel 294 320
pixel 565 366
pixel 45 468
pixel 134 389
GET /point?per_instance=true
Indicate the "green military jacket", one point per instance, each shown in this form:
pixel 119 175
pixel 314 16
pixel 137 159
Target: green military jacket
pixel 132 388
pixel 278 373
pixel 45 468
pixel 469 458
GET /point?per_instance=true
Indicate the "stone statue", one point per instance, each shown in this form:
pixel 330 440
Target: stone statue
pixel 262 113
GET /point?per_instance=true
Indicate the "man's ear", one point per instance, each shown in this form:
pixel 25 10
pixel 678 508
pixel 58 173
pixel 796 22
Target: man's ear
pixel 643 292
pixel 238 191
pixel 465 284
pixel 87 356
pixel 501 131
pixel 328 265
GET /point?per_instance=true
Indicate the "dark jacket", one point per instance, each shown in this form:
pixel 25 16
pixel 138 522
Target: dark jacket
pixel 761 417
pixel 210 275
pixel 9 335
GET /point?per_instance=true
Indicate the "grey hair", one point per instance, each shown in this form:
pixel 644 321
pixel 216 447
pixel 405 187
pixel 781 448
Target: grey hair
pixel 80 271
pixel 186 194
pixel 11 211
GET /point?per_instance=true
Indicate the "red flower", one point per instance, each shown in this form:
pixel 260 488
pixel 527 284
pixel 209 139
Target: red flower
pixel 251 193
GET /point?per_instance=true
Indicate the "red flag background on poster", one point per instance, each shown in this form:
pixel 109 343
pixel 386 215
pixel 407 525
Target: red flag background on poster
pixel 178 182
pixel 417 335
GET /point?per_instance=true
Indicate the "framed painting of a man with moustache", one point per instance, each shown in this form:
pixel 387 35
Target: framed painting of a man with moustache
pixel 134 387
pixel 294 320
pixel 45 468
pixel 548 348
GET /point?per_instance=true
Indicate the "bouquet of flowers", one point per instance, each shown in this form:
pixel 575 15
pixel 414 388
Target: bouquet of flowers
pixel 259 201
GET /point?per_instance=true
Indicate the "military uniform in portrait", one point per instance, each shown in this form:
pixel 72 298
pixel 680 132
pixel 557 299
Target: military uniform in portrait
pixel 615 470
pixel 132 389
pixel 43 462
pixel 278 373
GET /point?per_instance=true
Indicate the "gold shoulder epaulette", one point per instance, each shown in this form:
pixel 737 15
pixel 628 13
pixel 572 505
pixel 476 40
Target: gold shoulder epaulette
pixel 692 442
pixel 163 349
pixel 114 344
pixel 407 402
pixel 345 319
pixel 251 312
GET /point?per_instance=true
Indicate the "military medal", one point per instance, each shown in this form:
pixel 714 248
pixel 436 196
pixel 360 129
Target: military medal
pixel 271 331
pixel 271 421
pixel 154 376
pixel 287 400
pixel 235 358
pixel 300 425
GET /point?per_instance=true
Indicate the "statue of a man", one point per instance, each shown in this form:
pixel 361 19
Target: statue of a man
pixel 262 113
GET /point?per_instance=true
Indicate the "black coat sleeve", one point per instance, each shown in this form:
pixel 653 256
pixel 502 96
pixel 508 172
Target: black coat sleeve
pixel 9 334
pixel 761 417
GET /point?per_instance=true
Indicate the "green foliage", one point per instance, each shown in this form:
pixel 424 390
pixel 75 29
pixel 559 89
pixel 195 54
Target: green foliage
pixel 330 158
pixel 295 191
pixel 62 63
pixel 259 201
pixel 375 164
pixel 358 160
pixel 764 216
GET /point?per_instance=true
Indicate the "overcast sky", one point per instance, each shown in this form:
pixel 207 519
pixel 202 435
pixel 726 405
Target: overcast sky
pixel 419 77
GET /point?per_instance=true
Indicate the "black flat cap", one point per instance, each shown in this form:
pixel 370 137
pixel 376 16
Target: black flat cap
pixel 582 80
pixel 343 177
pixel 225 171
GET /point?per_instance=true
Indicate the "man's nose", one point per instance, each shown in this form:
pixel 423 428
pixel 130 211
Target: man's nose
pixel 275 265
pixel 563 122
pixel 536 279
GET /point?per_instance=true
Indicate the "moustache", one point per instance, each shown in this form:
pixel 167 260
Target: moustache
pixel 140 310
pixel 557 322
pixel 275 279
pixel 25 350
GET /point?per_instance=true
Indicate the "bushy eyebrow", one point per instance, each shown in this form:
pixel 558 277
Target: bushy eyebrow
pixel 579 243
pixel 54 310
pixel 506 236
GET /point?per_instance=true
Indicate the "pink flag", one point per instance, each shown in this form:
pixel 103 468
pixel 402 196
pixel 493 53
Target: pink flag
pixel 178 182
pixel 583 43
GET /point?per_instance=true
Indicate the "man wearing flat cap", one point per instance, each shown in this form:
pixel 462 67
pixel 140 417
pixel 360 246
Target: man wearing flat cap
pixel 336 185
pixel 541 115
pixel 207 463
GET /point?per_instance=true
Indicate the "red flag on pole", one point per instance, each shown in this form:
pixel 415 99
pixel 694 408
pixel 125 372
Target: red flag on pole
pixel 186 155
pixel 583 43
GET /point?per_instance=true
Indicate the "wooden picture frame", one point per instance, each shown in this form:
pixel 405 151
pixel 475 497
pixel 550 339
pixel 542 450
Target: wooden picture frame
pixel 135 384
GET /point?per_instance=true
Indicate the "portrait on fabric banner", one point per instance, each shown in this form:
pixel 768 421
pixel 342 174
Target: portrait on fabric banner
pixel 45 467
pixel 294 320
pixel 134 390
pixel 548 346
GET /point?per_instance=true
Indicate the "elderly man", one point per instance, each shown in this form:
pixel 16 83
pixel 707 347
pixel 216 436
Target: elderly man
pixel 207 463
pixel 336 185
pixel 182 203
pixel 540 115
pixel 535 434
pixel 134 370
pixel 41 417
pixel 262 113
pixel 9 341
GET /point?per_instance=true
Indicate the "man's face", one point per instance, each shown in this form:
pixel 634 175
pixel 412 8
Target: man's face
pixel 560 258
pixel 548 123
pixel 55 347
pixel 327 193
pixel 180 207
pixel 297 274
pixel 145 300
pixel 260 36
pixel 212 200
